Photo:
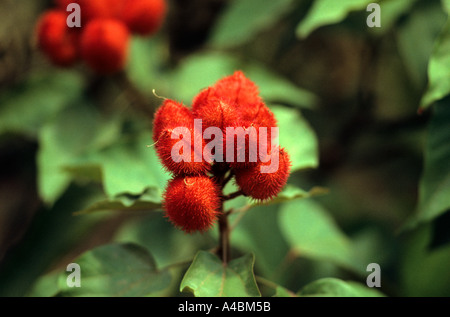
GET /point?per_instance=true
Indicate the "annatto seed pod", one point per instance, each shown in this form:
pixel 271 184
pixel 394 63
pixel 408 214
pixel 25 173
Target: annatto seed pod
pixel 180 150
pixel 260 114
pixel 56 39
pixel 144 17
pixel 264 186
pixel 215 112
pixel 237 90
pixel 104 45
pixel 170 114
pixel 192 203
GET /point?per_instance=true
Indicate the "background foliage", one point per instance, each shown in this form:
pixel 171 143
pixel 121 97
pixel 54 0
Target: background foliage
pixel 364 113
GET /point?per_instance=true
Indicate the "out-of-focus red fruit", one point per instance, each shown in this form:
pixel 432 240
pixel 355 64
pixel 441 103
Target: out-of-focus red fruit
pixel 93 9
pixel 192 203
pixel 104 45
pixel 144 17
pixel 264 186
pixel 56 39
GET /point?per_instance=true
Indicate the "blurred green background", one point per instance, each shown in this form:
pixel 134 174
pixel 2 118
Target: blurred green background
pixel 371 179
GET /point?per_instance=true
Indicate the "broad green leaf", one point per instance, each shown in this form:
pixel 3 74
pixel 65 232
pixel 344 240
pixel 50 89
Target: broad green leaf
pixel 144 65
pixel 74 132
pixel 297 137
pixel 325 12
pixel 332 287
pixel 145 202
pixel 256 231
pixel 391 11
pixel 278 90
pixel 291 192
pixel 117 270
pixel 426 23
pixel 434 186
pixel 243 19
pixel 131 166
pixel 311 232
pixel 209 277
pixel 424 272
pixel 45 286
pixel 26 108
pixel 446 6
pixel 203 70
pixel 282 292
pixel 438 70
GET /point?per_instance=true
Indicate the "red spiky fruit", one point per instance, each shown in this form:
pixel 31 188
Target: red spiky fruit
pixel 192 203
pixel 144 17
pixel 58 42
pixel 237 90
pixel 265 180
pixel 169 115
pixel 104 45
pixel 180 150
pixel 214 112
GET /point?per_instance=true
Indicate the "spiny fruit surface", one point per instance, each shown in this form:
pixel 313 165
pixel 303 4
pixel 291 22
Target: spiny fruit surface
pixel 263 186
pixel 180 150
pixel 144 17
pixel 192 203
pixel 104 45
pixel 237 90
pixel 170 114
pixel 56 40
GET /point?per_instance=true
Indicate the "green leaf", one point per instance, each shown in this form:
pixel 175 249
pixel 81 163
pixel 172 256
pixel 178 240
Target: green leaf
pixel 291 192
pixel 283 292
pixel 325 12
pixel 131 166
pixel 311 232
pixel 124 202
pixel 424 272
pixel 117 270
pixel 297 137
pixel 332 287
pixel 434 186
pixel 242 20
pixel 209 277
pixel 74 133
pixel 438 70
pixel 144 65
pixel 26 108
pixel 391 11
pixel 203 70
pixel 426 22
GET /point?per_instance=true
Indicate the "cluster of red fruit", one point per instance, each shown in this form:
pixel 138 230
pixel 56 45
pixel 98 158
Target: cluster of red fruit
pixel 103 38
pixel 194 196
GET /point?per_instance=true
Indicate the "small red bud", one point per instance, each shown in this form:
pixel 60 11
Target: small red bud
pixel 104 45
pixel 192 203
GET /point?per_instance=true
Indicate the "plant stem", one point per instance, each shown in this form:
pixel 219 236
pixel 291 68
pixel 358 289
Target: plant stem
pixel 224 238
pixel 233 195
pixel 223 251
